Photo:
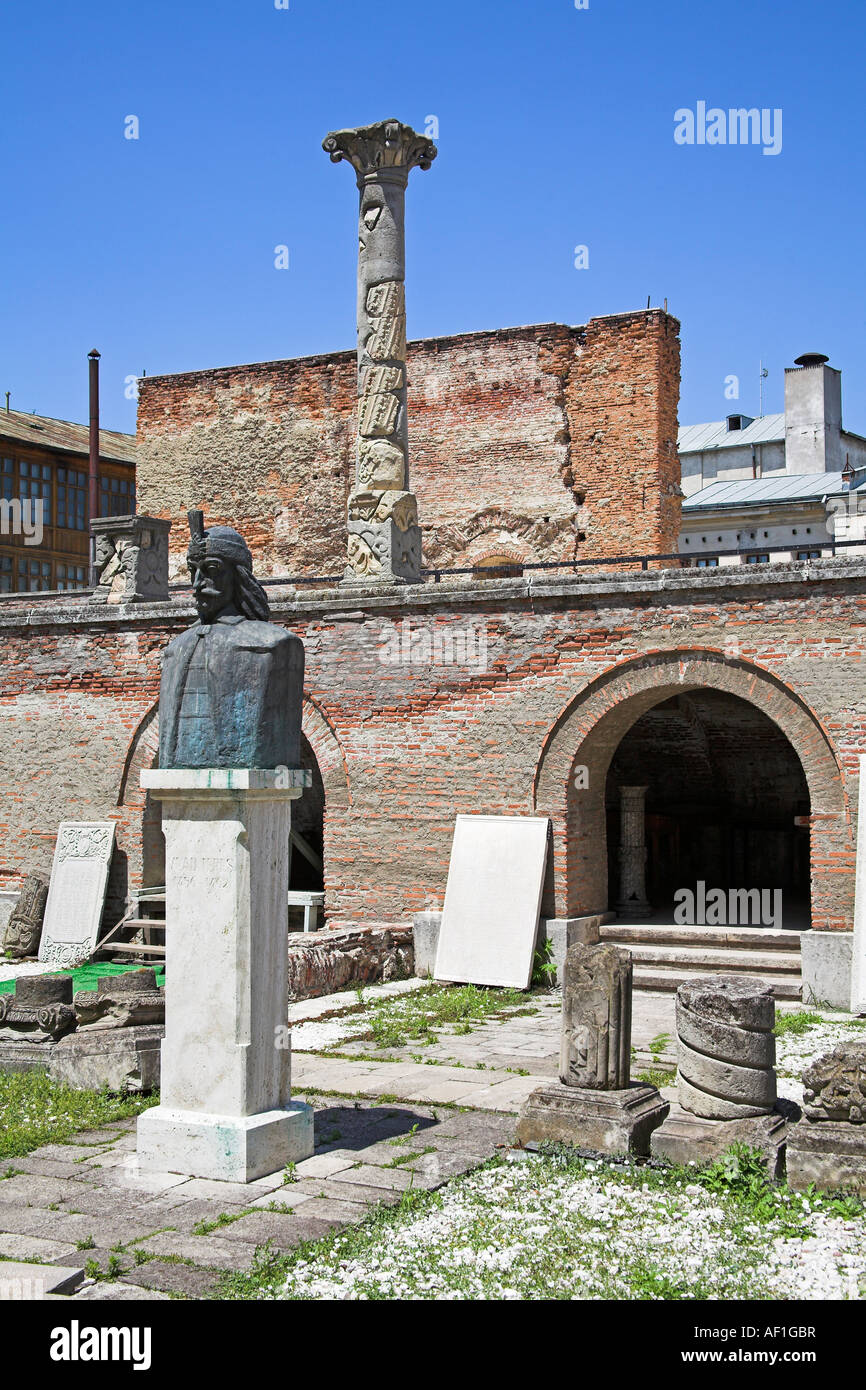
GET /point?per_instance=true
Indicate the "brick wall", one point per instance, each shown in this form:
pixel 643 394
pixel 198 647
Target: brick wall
pixel 548 673
pixel 535 443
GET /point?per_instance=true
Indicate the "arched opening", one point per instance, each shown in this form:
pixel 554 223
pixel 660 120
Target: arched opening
pixel 571 782
pixel 306 861
pixel 726 804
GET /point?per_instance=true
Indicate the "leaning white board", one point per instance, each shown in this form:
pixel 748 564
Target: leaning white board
pixel 492 901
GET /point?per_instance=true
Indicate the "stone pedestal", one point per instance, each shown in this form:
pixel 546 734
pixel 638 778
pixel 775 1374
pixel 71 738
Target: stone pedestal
pixel 594 1106
pixel 633 901
pixel 685 1138
pixel 225 1109
pixel 608 1122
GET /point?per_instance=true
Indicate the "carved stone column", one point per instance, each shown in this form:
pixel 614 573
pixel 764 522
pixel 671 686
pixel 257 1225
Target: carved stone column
pixel 384 542
pixel 633 901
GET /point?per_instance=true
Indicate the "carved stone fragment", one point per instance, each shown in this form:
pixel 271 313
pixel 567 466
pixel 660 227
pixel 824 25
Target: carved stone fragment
pixel 596 1018
pixel 835 1085
pixel 21 934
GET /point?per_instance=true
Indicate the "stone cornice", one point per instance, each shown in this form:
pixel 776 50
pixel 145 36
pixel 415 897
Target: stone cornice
pixel 358 602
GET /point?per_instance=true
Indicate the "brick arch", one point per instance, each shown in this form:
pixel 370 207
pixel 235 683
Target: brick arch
pixel 591 727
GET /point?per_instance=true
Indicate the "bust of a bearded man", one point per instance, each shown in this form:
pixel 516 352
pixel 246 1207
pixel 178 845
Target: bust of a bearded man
pixel 232 685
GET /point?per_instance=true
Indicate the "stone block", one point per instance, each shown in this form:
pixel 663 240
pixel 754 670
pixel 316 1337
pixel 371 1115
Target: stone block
pixel 610 1122
pixel 686 1138
pixel 830 1154
pixel 425 933
pixel 826 965
pixel 564 932
pixel 120 1059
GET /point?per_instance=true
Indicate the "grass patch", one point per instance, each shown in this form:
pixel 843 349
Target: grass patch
pixel 417 1016
pixel 798 1021
pixel 656 1076
pixel 35 1110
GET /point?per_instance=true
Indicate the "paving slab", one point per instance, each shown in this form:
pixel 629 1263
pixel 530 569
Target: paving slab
pixel 283 1197
pixel 210 1252
pixel 283 1231
pixel 170 1277
pixel 368 1175
pixel 106 1291
pixel 20 1247
pixel 323 1165
pixel 349 1191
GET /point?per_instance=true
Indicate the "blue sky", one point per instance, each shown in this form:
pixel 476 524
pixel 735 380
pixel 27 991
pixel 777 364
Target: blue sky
pixel 556 129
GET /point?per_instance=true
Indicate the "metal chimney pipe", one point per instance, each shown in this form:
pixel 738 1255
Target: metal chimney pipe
pixel 93 462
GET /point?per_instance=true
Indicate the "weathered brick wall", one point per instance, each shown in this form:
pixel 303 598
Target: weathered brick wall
pixel 536 443
pixel 549 673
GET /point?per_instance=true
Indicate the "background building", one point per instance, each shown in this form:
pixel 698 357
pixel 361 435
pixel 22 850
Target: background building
pixel 45 459
pixel 784 486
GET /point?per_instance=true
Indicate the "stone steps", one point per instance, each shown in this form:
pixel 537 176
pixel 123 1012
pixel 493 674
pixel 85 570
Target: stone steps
pixel 665 956
pixel 711 937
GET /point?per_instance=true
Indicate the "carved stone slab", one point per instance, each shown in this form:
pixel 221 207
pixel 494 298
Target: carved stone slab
pixel 492 900
pixel 76 896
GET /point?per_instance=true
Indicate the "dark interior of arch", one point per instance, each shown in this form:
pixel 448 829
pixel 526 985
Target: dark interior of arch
pixel 308 822
pixel 724 789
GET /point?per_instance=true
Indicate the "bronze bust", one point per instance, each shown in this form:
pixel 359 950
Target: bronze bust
pixel 232 684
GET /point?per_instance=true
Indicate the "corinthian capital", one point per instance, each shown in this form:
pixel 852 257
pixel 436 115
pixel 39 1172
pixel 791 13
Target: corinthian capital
pixel 386 145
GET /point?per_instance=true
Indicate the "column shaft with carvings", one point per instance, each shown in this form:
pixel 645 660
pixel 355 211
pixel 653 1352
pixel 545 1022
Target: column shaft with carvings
pixel 384 539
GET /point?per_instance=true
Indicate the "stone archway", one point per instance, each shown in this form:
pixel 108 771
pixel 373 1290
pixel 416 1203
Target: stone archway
pixel 592 727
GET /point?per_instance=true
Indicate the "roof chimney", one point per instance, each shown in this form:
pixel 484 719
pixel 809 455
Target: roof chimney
pixel 813 416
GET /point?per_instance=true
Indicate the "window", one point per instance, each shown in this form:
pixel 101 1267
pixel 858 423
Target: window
pixel 808 554
pixel 6 574
pixel 33 575
pixel 70 577
pixel 71 499
pixel 35 483
pixel 7 479
pixel 707 562
pixel 116 496
pixel 757 559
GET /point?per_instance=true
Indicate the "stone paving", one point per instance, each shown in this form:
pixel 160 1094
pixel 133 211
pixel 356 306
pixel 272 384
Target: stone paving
pixel 161 1235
